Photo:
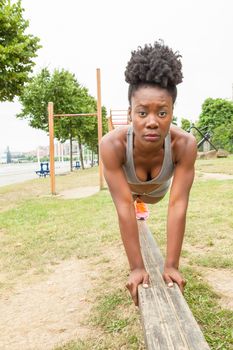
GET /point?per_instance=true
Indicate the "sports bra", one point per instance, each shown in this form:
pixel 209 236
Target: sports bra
pixel 163 178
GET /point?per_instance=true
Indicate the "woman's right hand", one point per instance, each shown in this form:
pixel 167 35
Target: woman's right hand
pixel 136 277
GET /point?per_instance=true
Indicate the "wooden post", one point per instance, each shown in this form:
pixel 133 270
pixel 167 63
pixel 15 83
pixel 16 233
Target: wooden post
pixel 71 147
pixel 99 115
pixel 51 147
pixel 110 124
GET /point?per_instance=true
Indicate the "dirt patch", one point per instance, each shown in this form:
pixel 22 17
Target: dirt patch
pixel 80 192
pixel 214 176
pixel 47 313
pixel 222 282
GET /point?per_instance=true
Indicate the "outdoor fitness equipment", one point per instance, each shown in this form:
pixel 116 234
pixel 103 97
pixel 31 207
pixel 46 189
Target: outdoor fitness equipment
pixel 205 137
pixel 117 117
pixel 98 114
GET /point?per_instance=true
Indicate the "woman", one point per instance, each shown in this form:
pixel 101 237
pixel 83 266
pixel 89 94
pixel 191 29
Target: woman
pixel 140 160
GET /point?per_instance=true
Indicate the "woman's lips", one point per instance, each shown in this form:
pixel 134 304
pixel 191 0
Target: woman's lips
pixel 152 137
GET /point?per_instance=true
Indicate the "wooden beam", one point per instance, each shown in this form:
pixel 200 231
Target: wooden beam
pixel 119 110
pixel 51 147
pixel 76 115
pixel 167 320
pixel 99 113
pixel 110 124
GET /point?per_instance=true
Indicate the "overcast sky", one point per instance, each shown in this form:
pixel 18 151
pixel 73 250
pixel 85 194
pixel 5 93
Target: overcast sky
pixel 81 35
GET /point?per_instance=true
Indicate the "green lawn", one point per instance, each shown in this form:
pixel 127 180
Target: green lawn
pixel 38 230
pixel 219 165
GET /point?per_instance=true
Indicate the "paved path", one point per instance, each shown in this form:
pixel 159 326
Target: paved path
pixel 79 192
pixel 16 173
pixel 214 176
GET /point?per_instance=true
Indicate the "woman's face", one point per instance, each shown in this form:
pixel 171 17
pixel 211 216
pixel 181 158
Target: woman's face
pixel 151 114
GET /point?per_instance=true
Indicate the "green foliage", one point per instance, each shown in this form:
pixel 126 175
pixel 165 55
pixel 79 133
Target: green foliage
pixel 174 120
pixel 185 124
pixel 16 50
pixel 215 112
pixel 217 117
pixel 89 131
pixel 35 99
pixel 223 137
pixel 68 96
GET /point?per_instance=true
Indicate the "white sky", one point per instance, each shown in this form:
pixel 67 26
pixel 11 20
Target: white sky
pixel 81 35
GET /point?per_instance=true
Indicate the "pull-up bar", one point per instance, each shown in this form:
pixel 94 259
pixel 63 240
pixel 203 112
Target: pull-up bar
pixel 51 115
pixel 76 115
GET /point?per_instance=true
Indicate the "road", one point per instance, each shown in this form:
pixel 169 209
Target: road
pixel 16 173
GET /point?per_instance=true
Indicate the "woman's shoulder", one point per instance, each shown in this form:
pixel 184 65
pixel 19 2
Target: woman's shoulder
pixel 114 143
pixel 182 142
pixel 116 137
pixel 181 136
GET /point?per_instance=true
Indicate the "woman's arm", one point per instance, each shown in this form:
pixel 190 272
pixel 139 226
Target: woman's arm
pixel 112 157
pixel 178 203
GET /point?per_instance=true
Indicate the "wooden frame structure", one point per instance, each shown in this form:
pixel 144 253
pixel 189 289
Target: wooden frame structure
pixel 117 117
pixel 167 321
pixel 51 116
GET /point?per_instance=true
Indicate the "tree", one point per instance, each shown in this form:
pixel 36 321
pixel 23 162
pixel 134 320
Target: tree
pixel 185 124
pixel 69 97
pixel 217 118
pixel 215 112
pixel 17 50
pixel 223 137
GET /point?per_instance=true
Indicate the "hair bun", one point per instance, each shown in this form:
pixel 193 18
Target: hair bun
pixel 156 64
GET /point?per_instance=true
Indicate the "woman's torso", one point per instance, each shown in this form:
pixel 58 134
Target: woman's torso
pixel 154 188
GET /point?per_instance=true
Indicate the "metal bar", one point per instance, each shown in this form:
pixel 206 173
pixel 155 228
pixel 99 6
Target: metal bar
pixel 204 137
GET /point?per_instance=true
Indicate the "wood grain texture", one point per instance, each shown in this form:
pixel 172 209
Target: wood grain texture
pixel 167 320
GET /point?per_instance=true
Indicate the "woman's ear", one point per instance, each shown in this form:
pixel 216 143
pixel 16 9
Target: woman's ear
pixel 129 115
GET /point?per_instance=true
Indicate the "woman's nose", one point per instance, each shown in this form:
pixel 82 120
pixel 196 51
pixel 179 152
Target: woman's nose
pixel 152 121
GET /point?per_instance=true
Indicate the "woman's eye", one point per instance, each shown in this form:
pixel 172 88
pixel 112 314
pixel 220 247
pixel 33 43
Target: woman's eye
pixel 142 114
pixel 162 114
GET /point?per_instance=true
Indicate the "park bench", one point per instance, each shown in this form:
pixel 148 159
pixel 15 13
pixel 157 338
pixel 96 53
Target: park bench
pixel 77 165
pixel 44 169
pixel 167 321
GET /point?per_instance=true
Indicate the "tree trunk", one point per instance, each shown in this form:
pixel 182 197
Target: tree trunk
pixel 92 158
pixel 98 156
pixel 80 152
pixel 71 154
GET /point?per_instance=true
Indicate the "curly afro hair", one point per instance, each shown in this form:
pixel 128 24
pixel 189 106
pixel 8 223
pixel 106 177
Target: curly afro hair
pixel 154 65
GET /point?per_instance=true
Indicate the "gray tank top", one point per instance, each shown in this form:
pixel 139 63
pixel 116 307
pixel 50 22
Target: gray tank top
pixel 163 178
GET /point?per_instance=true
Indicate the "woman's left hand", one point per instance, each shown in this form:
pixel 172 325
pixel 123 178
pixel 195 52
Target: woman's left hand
pixel 171 275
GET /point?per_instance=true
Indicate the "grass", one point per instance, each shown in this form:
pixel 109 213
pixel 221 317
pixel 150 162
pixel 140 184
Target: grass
pixel 38 231
pixel 216 323
pixel 208 239
pixel 46 230
pixel 216 165
pixel 13 195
